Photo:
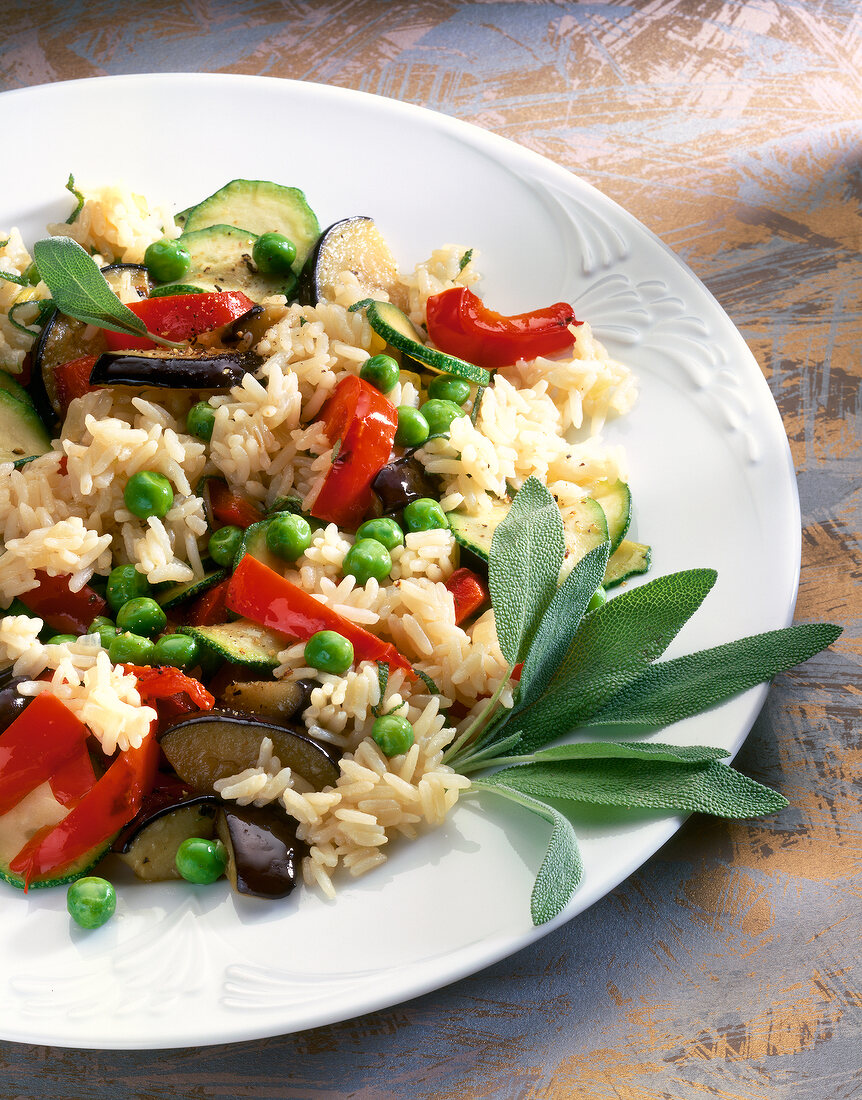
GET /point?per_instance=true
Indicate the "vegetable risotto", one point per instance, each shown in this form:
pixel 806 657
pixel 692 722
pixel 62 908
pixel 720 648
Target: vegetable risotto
pixel 299 424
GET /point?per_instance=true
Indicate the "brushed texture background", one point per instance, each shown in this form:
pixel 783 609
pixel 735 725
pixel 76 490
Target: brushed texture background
pixel 729 966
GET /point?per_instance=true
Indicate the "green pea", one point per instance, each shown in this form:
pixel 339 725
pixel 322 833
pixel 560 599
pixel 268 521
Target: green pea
pixel 381 371
pixel 365 559
pixel 124 583
pixel 393 734
pixel 273 254
pixel 424 514
pixel 201 861
pixel 440 415
pixel 224 545
pixel 413 429
pixel 91 901
pixel 142 615
pixel 176 650
pixel 329 651
pixel 200 421
pixel 167 261
pixel 148 494
pixel 62 639
pixel 106 630
pixel 597 599
pixel 383 530
pixel 445 388
pixel 288 536
pixel 131 649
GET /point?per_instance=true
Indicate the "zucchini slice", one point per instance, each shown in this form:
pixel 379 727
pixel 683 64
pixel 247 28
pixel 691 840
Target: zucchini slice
pixel 399 332
pixel 584 523
pixel 616 502
pixel 35 811
pixel 258 206
pixel 179 593
pixel 254 543
pixel 242 642
pixel 221 260
pixel 354 244
pixel 630 559
pixel 22 433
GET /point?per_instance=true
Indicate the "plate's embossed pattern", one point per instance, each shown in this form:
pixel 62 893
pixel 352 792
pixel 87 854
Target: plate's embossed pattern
pixel 150 974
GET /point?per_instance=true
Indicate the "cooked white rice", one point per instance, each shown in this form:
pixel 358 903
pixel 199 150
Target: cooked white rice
pixel 65 513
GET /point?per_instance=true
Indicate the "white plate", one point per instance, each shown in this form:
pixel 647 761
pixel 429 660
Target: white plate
pixel 712 481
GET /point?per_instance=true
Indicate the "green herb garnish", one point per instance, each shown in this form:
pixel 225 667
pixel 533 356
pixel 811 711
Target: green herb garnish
pixel 78 197
pixel 465 259
pixel 80 290
pixel 595 670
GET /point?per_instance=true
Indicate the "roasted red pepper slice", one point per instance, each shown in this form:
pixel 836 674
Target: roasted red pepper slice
pixel 468 592
pixel 113 801
pixel 181 317
pixel 360 424
pixel 209 608
pixel 63 610
pixel 260 594
pixel 35 747
pixel 72 380
pixel 163 682
pixel 459 323
pixel 231 509
pixel 74 779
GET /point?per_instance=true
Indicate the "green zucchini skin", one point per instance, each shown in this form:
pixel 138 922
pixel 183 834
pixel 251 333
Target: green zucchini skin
pixel 630 559
pixel 258 206
pixel 241 642
pixel 74 871
pixel 399 332
pixel 179 593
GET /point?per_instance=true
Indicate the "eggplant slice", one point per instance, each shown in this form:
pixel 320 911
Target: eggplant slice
pixel 263 852
pixel 354 244
pixel 278 700
pixel 211 371
pixel 150 846
pixel 216 744
pixel 64 339
pixel 402 482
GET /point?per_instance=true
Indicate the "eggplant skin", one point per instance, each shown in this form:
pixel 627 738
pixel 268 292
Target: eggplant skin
pixel 220 371
pixel 263 852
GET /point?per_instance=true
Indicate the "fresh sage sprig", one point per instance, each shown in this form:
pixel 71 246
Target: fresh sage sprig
pixel 597 669
pixel 79 289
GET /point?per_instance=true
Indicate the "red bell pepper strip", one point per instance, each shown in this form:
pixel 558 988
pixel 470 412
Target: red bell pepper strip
pixel 113 801
pixel 181 317
pixel 43 738
pixel 65 611
pixel 74 779
pixel 163 682
pixel 210 608
pixel 72 380
pixel 468 592
pixel 459 323
pixel 260 594
pixel 360 424
pixel 231 509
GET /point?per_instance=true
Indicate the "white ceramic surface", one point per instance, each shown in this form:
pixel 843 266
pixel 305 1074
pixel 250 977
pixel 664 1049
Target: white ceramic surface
pixel 712 481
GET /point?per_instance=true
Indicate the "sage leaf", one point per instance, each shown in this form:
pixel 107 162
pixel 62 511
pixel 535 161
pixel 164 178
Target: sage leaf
pixel 11 277
pixel 647 750
pixel 79 289
pixel 561 870
pixel 382 681
pixel 559 624
pixel 668 692
pixel 613 646
pixel 524 564
pixel 711 787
